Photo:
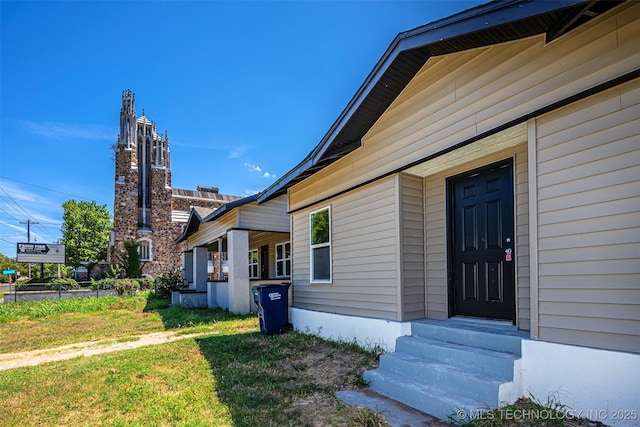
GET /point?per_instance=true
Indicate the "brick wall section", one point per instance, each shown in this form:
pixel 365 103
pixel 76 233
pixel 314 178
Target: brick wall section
pixel 125 211
pixel 165 253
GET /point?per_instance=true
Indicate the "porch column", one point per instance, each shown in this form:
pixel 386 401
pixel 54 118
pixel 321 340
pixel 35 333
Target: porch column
pixel 200 268
pixel 238 259
pixel 187 268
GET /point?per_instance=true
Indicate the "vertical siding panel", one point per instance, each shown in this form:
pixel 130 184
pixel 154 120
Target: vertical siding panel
pixel 436 246
pixel 522 240
pixel 412 247
pixel 589 221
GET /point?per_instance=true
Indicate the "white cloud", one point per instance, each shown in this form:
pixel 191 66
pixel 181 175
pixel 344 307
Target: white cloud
pixel 238 152
pixel 22 230
pixel 254 168
pixel 62 131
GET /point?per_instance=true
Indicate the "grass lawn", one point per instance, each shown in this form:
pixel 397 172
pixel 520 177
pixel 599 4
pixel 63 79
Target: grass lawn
pixel 234 376
pixel 51 323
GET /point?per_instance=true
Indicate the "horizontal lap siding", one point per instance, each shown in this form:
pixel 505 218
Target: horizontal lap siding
pixel 210 231
pixel 459 96
pixel 364 254
pixel 589 221
pixel 412 244
pixel 462 95
pixel 269 216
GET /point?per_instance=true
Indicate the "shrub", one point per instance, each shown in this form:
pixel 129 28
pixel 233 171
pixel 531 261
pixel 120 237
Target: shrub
pixel 146 283
pixel 169 282
pixel 106 283
pixel 67 284
pixel 114 271
pixel 127 286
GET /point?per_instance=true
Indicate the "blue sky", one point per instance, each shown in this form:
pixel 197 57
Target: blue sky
pixel 244 89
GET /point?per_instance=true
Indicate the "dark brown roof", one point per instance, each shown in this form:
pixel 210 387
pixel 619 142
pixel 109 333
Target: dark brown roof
pixel 495 22
pixel 205 195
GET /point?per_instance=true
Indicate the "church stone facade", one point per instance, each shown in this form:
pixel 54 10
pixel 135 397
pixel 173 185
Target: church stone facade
pixel 147 209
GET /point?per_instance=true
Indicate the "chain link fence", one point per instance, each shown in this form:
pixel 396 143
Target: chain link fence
pixel 58 290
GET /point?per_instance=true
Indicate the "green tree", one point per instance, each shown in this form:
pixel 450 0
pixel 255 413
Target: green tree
pixel 7 263
pixel 130 260
pixel 85 231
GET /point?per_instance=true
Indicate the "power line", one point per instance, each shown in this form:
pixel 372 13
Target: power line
pixel 52 226
pixel 15 203
pixel 44 230
pixel 8 203
pixel 10 216
pixel 48 189
pixel 29 221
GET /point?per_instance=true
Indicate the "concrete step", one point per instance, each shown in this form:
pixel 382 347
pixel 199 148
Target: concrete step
pixel 492 363
pixel 491 335
pixel 452 379
pixel 424 397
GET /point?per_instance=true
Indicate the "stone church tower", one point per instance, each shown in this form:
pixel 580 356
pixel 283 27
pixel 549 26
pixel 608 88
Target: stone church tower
pixel 146 207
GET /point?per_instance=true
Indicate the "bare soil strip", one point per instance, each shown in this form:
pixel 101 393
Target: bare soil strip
pixel 90 348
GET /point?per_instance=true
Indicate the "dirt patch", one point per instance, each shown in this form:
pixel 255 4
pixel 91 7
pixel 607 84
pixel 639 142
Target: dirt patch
pixel 329 370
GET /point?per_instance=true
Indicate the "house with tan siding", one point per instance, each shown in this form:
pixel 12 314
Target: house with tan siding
pixel 475 210
pixel 231 249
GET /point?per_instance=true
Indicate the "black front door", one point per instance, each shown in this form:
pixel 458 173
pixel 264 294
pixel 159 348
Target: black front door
pixel 482 257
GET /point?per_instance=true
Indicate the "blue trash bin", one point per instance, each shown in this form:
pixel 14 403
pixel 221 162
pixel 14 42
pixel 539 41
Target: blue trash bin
pixel 273 307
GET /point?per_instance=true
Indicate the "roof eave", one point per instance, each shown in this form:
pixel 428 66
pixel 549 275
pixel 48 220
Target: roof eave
pixel 467 23
pixel 227 207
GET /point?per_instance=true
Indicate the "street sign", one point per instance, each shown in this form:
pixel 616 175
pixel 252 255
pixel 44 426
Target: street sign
pixel 8 272
pixel 40 253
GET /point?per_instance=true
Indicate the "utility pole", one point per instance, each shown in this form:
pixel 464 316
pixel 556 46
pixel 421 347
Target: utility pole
pixel 29 223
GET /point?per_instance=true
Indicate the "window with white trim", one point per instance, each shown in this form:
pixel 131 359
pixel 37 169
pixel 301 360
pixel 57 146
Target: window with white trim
pixel 283 259
pixel 253 264
pixel 144 249
pixel 320 242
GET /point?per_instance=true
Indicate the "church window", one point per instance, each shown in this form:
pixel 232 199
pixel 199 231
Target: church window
pixel 144 249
